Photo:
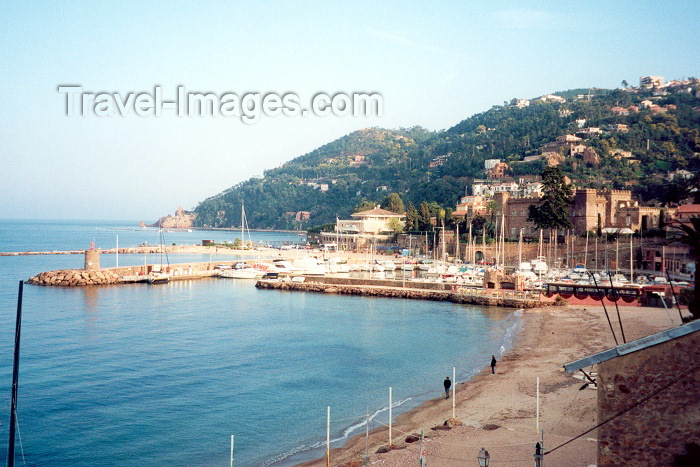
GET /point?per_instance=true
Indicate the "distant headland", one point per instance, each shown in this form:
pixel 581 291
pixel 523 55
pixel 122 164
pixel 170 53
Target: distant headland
pixel 181 220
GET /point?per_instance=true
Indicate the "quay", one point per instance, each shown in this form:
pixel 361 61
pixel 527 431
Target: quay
pixel 411 290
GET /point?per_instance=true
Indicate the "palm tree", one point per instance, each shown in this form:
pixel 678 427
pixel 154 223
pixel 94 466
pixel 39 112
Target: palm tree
pixel 690 235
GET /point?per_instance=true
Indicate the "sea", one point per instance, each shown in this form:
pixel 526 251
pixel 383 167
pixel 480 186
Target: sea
pixel 166 375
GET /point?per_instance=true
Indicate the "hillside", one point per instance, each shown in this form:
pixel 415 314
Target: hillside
pixel 630 139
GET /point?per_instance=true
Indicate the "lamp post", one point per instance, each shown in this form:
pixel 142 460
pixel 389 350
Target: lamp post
pixel 483 458
pixel 538 455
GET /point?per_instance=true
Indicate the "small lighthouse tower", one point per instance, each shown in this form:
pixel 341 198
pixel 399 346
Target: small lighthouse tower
pixel 92 258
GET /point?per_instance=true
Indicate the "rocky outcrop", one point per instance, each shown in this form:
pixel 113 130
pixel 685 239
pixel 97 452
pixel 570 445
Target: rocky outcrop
pixel 591 157
pixel 181 220
pixel 75 278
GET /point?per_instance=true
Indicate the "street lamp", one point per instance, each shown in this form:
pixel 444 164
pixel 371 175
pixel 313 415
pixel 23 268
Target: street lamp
pixel 538 455
pixel 483 458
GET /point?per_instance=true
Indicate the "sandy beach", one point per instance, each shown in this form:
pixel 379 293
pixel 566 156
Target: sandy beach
pixel 497 412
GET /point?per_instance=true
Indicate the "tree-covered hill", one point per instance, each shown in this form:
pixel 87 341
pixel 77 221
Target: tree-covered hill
pixel 663 135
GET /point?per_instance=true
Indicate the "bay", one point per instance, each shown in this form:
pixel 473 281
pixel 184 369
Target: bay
pixel 155 375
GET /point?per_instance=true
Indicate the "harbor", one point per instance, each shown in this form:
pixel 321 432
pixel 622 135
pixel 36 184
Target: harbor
pixel 374 275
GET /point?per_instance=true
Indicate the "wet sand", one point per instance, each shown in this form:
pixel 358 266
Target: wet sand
pixel 498 411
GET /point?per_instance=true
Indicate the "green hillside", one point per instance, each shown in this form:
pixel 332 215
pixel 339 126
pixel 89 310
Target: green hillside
pixel 422 165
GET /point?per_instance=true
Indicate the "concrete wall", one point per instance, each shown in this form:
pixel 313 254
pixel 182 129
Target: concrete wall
pixel 656 430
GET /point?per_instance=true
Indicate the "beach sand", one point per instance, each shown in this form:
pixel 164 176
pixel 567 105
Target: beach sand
pixel 498 411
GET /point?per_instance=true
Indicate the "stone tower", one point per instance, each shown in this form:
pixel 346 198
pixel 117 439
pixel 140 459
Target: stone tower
pixel 92 258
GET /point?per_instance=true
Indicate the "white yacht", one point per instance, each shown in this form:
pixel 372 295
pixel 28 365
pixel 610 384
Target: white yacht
pixel 310 266
pixel 282 266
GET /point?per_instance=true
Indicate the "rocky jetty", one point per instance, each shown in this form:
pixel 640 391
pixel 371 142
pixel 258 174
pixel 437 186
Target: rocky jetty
pixel 181 220
pixel 485 298
pixel 75 278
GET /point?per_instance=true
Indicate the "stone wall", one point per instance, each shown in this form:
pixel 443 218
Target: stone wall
pixel 484 299
pixel 373 282
pixel 124 274
pixel 656 430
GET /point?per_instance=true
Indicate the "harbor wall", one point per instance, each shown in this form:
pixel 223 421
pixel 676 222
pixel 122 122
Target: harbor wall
pixel 474 297
pixel 123 275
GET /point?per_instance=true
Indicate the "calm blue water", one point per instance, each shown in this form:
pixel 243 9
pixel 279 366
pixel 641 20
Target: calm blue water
pixel 41 235
pixel 155 375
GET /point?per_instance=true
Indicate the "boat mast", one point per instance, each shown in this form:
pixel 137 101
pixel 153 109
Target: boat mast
pixel 520 248
pixel 15 381
pixel 503 239
pixel 498 249
pixel 457 242
pixel 470 248
pixel 631 259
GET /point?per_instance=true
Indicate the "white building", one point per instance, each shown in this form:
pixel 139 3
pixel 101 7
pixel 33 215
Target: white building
pixel 491 163
pixel 374 225
pixel 651 81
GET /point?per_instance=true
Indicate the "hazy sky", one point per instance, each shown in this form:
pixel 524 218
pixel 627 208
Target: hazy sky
pixel 434 66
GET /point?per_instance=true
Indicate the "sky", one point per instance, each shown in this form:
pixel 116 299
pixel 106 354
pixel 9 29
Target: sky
pixel 433 65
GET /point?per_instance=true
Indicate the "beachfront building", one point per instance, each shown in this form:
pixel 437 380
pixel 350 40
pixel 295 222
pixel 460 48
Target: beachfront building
pixel 367 227
pixel 649 394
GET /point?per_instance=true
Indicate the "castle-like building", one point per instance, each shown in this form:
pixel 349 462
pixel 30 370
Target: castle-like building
pixel 616 208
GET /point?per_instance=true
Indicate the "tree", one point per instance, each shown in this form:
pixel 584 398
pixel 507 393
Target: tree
pixel 449 220
pixel 552 211
pixel 599 227
pixel 364 206
pixel 440 217
pixel 395 225
pixel 478 223
pixel 690 235
pixel 393 203
pixel 625 84
pixel 411 218
pixel 424 216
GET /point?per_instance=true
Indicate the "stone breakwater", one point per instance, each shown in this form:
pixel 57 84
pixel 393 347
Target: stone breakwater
pixel 75 278
pixel 485 299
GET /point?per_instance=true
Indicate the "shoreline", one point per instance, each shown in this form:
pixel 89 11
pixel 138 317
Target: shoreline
pixel 498 411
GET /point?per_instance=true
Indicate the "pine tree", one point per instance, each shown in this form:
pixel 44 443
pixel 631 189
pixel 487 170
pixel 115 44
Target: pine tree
pixel 552 211
pixel 424 216
pixel 411 218
pixel 393 203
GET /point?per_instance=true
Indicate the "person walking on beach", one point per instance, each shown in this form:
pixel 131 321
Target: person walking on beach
pixel 493 364
pixel 447 383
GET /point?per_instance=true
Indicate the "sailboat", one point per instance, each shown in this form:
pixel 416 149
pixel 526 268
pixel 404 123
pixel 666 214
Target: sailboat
pixel 242 270
pixel 159 276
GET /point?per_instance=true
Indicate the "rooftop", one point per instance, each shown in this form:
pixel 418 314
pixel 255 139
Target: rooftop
pixel 633 346
pixel 377 212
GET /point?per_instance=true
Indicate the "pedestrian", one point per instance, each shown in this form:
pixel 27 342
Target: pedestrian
pixel 493 364
pixel 447 383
